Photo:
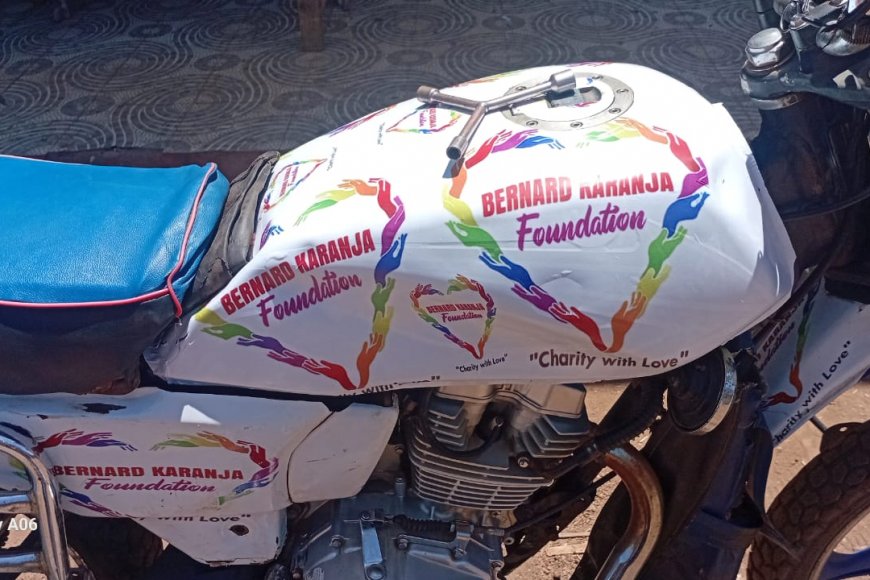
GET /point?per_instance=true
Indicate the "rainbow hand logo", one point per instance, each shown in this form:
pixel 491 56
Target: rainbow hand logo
pixel 457 284
pixel 392 250
pixel 685 208
pixel 256 453
pixel 75 437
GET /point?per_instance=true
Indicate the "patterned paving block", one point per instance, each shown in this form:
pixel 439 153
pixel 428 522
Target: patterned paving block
pixel 229 73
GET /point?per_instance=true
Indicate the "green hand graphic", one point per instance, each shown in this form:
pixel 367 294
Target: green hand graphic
pixel 662 247
pixel 477 237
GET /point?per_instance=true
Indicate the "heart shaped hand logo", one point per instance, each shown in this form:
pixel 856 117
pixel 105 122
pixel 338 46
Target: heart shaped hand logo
pixel 463 314
pixel 426 121
pixel 287 179
pixel 685 208
pixel 391 251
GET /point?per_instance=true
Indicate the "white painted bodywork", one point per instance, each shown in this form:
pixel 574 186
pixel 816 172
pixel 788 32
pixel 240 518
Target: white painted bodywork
pixel 337 458
pixel 514 305
pixel 218 540
pixel 819 350
pixel 190 466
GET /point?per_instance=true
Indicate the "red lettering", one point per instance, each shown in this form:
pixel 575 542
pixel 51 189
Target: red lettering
pixel 637 184
pixel 268 283
pixel 312 259
pixel 597 190
pixel 499 201
pixel 256 286
pixel 552 189
pixel 237 299
pixel 564 189
pixel 246 293
pixel 277 275
pixel 537 193
pixel 525 194
pixel 488 205
pixel 334 256
pixel 511 194
pixel 300 263
pixel 287 270
pixel 344 247
pixel 322 254
pixel 227 303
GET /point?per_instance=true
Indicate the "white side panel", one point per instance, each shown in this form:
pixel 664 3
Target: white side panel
pixel 218 540
pixel 337 458
pixel 822 349
pixel 154 453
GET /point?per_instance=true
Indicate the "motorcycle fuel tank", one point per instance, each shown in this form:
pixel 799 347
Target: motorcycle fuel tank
pixel 618 231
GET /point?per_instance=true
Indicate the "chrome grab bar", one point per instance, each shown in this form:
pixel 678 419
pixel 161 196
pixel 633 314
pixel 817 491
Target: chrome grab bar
pixel 43 502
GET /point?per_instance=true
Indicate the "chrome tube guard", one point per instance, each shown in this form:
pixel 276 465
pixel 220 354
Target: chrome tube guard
pixel 42 501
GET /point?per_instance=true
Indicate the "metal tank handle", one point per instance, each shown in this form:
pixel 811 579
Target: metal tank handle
pixel 559 82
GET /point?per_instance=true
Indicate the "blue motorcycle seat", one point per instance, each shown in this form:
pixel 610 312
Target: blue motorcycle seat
pixel 80 235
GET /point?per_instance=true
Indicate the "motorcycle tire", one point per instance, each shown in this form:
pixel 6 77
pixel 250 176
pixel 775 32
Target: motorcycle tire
pixel 816 509
pixel 112 549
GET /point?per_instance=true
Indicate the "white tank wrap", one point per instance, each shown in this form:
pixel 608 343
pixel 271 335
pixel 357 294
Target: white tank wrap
pixel 617 233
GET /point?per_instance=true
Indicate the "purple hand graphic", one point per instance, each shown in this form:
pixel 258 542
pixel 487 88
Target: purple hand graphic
pixel 266 342
pixel 695 181
pixel 538 297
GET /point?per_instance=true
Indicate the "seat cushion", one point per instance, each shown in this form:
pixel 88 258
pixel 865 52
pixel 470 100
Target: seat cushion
pixel 81 235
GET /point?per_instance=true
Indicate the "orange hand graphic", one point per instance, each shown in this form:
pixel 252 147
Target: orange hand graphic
pixel 222 441
pixel 645 131
pixel 360 186
pixel 624 319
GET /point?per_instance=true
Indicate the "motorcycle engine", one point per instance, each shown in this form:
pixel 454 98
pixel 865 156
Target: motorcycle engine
pixel 438 506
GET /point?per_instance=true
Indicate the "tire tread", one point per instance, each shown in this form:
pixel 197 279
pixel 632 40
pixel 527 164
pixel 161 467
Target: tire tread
pixel 812 507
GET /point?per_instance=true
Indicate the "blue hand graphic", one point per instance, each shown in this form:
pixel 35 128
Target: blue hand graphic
pixel 509 270
pixel 390 261
pixel 683 209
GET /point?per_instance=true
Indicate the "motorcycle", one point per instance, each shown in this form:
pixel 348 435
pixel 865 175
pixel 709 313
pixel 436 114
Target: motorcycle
pixel 367 359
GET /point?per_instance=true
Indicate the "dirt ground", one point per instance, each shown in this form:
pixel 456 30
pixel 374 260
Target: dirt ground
pixel 558 559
